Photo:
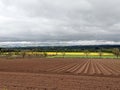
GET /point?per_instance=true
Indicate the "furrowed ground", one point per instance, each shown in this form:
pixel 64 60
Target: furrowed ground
pixel 59 74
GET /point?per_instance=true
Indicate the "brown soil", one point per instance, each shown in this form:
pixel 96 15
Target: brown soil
pixel 59 74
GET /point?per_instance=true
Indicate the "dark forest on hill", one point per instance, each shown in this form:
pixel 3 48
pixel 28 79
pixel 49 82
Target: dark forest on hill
pixel 91 48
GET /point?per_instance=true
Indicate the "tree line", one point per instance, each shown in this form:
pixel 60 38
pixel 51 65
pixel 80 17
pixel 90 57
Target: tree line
pixel 23 53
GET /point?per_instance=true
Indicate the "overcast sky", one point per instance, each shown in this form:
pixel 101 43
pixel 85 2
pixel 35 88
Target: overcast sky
pixel 59 20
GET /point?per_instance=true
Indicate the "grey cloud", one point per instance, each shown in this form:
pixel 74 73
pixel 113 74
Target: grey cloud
pixel 59 20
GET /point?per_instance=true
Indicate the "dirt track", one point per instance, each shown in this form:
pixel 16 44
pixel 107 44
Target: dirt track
pixel 59 74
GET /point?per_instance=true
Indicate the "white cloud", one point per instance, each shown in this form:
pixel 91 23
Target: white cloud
pixel 55 43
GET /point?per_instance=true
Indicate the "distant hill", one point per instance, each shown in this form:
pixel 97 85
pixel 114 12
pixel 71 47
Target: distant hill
pixel 105 48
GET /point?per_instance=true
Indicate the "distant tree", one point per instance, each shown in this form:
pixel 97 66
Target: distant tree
pixel 23 54
pixel 86 52
pixel 9 54
pixel 56 53
pixel 100 53
pixel 0 51
pixel 63 54
pixel 31 52
pixel 45 54
pixel 16 52
pixel 116 52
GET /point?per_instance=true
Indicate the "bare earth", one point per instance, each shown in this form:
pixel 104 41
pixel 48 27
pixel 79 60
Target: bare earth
pixel 59 74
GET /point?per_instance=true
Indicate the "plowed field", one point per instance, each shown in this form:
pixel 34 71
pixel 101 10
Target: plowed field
pixel 59 74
